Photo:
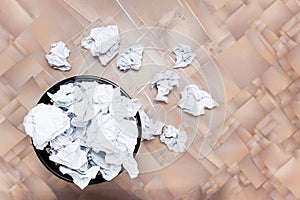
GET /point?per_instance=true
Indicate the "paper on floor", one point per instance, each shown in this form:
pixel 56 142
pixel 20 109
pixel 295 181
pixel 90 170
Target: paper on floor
pixel 149 128
pixel 103 42
pixel 131 58
pixel 174 139
pixel 45 122
pixel 184 56
pixel 165 82
pixel 194 100
pixel 57 58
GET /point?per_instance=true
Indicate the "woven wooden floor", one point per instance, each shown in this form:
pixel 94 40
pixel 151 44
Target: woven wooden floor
pixel 248 57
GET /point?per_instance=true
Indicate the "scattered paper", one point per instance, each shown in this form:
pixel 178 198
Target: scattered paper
pixel 131 58
pixel 174 139
pixel 44 123
pixel 91 127
pixel 149 128
pixel 58 56
pixel 184 56
pixel 194 101
pixel 165 82
pixel 103 42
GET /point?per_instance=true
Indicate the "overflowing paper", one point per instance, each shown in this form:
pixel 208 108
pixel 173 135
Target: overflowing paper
pixel 83 176
pixel 123 107
pixel 71 156
pixel 131 58
pixel 90 127
pixel 66 95
pixel 184 56
pixel 194 101
pixel 165 82
pixel 103 42
pixel 63 140
pixel 174 139
pixel 150 129
pixel 44 123
pixel 104 135
pixel 108 171
pixel 58 56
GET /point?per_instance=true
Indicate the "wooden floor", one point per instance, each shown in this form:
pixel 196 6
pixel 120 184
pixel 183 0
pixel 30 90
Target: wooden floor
pixel 247 57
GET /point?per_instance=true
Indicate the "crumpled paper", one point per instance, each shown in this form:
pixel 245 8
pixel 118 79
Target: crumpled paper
pixel 115 133
pixel 131 58
pixel 106 126
pixel 108 171
pixel 127 160
pixel 101 134
pixel 103 94
pixel 44 123
pixel 194 101
pixel 62 140
pixel 80 133
pixel 72 155
pixel 174 139
pixel 165 82
pixel 149 128
pixel 103 42
pixel 123 111
pixel 184 56
pixel 122 107
pixel 83 176
pixel 85 108
pixel 66 95
pixel 103 97
pixel 58 56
